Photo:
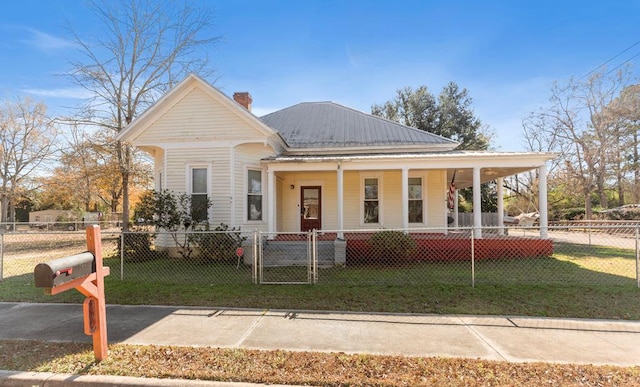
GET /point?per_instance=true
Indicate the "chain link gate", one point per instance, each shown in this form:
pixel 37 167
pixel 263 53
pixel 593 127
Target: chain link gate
pixel 287 258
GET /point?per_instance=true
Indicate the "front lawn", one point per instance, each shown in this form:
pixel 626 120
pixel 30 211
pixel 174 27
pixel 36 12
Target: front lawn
pixel 598 282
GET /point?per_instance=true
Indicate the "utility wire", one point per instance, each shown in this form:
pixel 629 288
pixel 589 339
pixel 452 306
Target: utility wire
pixel 617 55
pixel 622 64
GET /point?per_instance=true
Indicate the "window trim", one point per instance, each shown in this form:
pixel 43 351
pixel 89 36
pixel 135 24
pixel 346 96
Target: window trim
pixel 425 196
pixel 415 200
pixel 189 190
pixel 246 194
pixel 378 177
pixel 159 180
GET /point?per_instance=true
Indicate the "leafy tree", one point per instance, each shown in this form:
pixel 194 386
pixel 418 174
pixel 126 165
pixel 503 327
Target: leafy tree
pixel 27 136
pixel 146 48
pixel 87 176
pixel 450 115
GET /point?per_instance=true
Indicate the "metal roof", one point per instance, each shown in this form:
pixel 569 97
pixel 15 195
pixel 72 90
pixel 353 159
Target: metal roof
pixel 331 125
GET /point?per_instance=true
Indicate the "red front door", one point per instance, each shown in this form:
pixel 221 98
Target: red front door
pixel 310 208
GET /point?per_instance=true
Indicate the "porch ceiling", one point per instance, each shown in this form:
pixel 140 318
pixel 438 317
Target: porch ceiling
pixel 464 176
pixel 461 163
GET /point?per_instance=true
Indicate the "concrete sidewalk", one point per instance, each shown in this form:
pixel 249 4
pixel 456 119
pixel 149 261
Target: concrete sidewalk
pixel 513 339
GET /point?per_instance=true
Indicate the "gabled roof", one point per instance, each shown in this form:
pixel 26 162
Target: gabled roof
pixel 173 96
pixel 328 125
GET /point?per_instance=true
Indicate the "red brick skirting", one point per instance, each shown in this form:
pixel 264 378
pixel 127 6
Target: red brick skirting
pixel 456 249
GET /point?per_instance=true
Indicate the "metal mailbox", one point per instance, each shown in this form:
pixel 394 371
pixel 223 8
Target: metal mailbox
pixel 60 271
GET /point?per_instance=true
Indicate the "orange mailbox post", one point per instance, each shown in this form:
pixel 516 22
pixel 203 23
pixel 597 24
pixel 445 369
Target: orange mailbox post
pixel 85 273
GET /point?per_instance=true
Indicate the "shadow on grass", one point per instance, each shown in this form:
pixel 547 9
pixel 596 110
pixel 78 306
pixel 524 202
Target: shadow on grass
pixel 578 250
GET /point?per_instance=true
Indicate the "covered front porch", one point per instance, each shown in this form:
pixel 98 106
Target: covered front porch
pixel 405 191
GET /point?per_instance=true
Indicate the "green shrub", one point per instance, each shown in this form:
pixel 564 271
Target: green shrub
pixel 572 213
pixel 391 246
pixel 137 247
pixel 220 244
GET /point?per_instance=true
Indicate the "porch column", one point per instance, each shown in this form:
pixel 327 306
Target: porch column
pixel 542 195
pixel 499 183
pixel 340 202
pixel 405 198
pixel 232 180
pixel 455 209
pixel 477 204
pixel 271 203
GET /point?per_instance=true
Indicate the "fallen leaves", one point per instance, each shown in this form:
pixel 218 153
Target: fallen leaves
pixel 302 368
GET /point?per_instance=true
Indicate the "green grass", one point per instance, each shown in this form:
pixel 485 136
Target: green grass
pixel 593 282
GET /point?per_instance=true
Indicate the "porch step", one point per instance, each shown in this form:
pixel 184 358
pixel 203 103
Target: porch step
pixel 294 253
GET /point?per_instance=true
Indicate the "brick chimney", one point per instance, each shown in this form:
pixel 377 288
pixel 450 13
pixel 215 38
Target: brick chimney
pixel 244 99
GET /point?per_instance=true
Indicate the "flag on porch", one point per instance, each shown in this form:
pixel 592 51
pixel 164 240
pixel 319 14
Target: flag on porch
pixel 452 191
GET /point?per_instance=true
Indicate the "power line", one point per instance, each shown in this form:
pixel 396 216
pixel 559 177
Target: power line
pixel 622 64
pixel 616 56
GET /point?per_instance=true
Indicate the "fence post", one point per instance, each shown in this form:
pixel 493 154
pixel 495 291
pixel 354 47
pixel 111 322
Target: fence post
pixel 254 267
pixel 122 256
pixel 310 248
pixel 473 261
pixel 259 259
pixel 638 256
pixel 1 256
pixel 314 256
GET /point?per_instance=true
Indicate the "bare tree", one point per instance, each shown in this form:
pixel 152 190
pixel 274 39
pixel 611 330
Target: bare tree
pixel 26 143
pixel 148 46
pixel 578 126
pixel 627 156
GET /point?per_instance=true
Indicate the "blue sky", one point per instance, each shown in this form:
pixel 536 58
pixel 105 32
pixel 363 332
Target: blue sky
pixel 357 53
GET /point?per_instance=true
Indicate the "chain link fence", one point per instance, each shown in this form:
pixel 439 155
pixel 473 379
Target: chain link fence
pixel 571 255
pixel 203 257
pixel 21 251
pixel 287 258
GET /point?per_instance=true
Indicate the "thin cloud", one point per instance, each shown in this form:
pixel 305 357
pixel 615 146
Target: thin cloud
pixel 46 42
pixel 353 61
pixel 72 93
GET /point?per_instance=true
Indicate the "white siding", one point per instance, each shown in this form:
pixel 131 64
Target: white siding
pixel 248 156
pixel 198 117
pixel 437 204
pixel 290 198
pixel 352 204
pixel 217 160
pixel 391 198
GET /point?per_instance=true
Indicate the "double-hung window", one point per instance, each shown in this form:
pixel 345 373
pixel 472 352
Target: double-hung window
pixel 254 194
pixel 199 194
pixel 415 200
pixel 371 201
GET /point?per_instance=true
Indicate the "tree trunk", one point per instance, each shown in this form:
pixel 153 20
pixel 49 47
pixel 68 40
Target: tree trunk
pixel 588 213
pixel 12 212
pixel 602 193
pixel 620 186
pixel 5 208
pixel 125 201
